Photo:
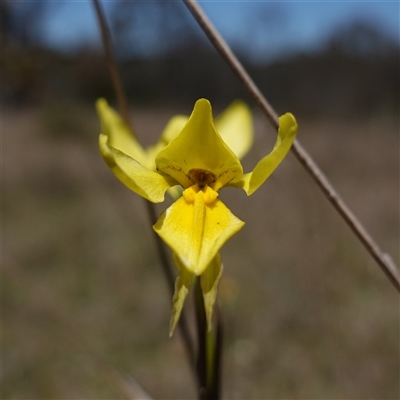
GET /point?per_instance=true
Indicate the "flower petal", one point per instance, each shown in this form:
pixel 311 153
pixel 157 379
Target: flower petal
pixel 286 135
pixel 182 287
pixel 170 132
pixel 173 128
pixel 209 285
pixel 149 184
pixel 119 135
pixel 235 126
pixel 196 229
pixel 200 147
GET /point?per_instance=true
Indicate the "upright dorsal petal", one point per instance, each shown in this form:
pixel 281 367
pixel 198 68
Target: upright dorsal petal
pixel 199 147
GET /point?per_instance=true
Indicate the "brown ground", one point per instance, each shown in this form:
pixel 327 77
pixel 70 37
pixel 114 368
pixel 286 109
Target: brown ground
pixel 308 313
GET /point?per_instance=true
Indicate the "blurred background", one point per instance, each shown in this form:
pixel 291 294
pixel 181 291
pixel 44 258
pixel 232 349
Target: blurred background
pixel 308 313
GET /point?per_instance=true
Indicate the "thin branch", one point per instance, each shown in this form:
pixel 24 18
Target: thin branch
pixel 107 44
pixel 383 259
pixel 123 105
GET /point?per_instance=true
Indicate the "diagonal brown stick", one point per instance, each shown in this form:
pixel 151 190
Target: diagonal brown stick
pixel 383 259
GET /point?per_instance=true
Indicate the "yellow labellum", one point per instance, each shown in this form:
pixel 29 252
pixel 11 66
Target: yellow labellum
pixel 196 226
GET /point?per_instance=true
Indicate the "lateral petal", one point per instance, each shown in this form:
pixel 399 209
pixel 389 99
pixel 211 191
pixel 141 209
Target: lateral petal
pixel 182 287
pixel 170 132
pixel 199 146
pixel 235 126
pixel 149 184
pixel 195 231
pixel 209 281
pixel 286 135
pixel 119 135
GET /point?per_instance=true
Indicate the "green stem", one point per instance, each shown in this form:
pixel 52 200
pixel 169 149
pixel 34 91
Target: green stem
pixel 209 350
pixel 210 354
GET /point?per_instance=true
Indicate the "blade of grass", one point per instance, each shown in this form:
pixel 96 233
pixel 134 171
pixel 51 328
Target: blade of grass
pixel 382 259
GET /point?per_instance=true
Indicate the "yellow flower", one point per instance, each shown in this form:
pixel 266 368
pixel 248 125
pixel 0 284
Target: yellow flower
pixel 191 153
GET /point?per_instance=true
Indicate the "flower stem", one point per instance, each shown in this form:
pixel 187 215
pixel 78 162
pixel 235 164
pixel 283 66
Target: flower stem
pixel 209 350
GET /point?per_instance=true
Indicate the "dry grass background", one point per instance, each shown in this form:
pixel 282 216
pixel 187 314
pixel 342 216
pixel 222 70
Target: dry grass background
pixel 308 314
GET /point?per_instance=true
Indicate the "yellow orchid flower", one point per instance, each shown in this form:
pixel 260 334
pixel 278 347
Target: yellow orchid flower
pixel 234 125
pixel 200 160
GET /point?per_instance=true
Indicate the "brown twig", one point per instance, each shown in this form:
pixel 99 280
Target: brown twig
pixel 383 259
pixel 107 44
